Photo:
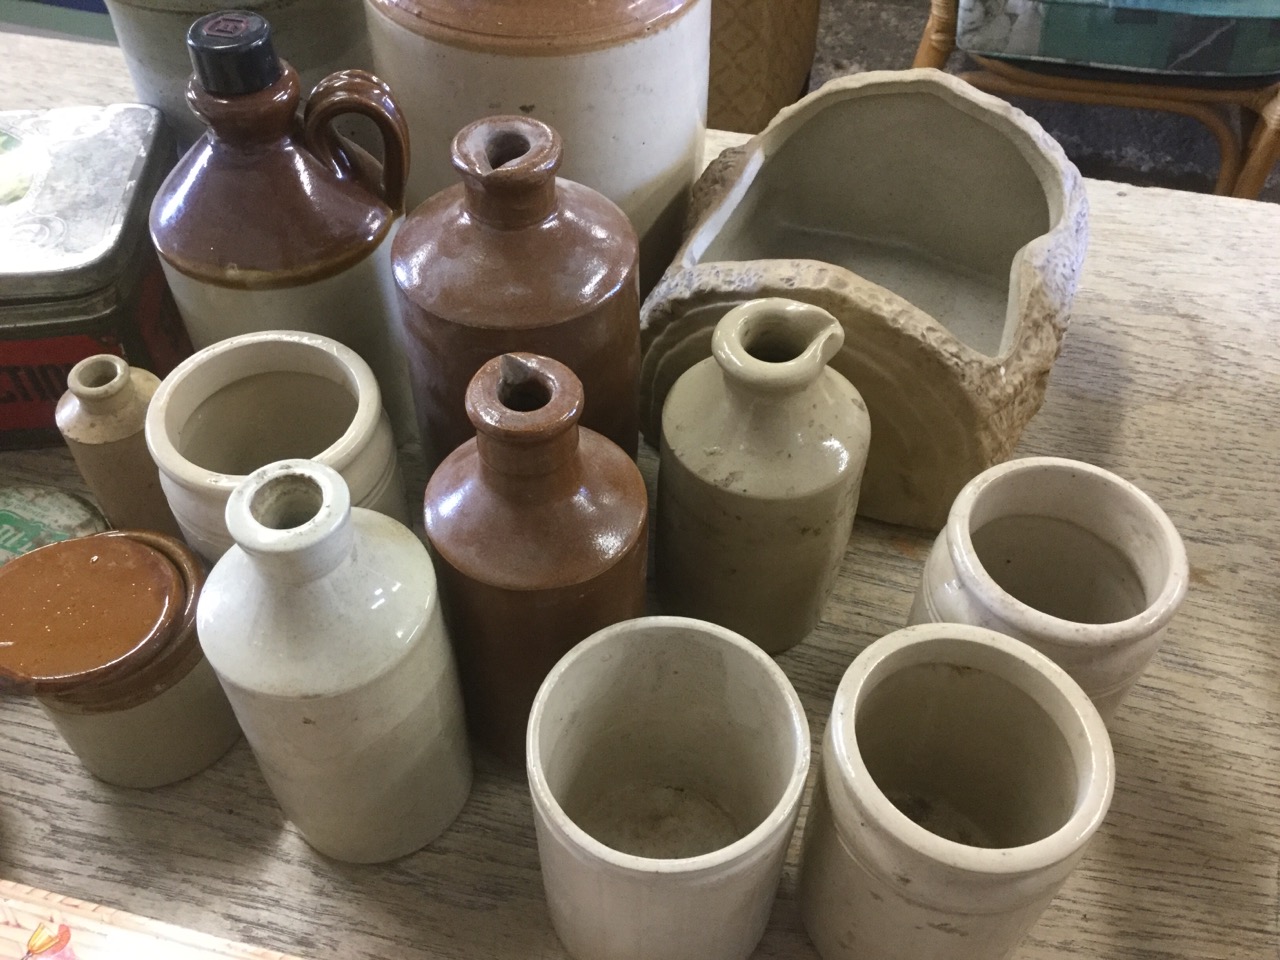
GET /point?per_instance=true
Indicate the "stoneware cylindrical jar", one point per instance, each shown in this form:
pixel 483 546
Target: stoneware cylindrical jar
pixel 102 630
pixel 1067 557
pixel 268 223
pixel 666 759
pixel 324 627
pixel 962 777
pixel 515 259
pixel 538 528
pixel 763 448
pixel 624 81
pixel 101 417
pixel 261 397
pixel 316 36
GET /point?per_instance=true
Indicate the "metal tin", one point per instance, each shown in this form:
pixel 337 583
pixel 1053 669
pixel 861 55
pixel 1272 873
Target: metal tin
pixel 78 274
pixel 32 517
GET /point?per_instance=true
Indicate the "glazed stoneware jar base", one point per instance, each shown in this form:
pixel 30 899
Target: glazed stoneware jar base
pixel 1067 557
pixel 942 227
pixel 666 759
pixel 257 398
pixel 944 832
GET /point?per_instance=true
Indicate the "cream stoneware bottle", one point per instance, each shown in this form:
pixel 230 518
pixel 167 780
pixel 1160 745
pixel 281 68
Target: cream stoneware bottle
pixel 763 449
pixel 324 627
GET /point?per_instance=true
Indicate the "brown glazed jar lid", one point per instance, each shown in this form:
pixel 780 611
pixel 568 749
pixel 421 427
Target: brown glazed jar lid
pixel 85 611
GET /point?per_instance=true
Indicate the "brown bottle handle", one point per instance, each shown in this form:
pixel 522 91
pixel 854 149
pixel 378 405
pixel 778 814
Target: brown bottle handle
pixel 358 91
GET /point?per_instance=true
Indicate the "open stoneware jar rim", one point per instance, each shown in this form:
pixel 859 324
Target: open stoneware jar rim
pixel 1158 610
pixel 1025 669
pixel 208 371
pixel 750 846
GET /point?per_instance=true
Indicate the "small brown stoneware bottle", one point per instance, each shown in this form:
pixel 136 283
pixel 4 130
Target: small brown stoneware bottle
pixel 538 528
pixel 514 259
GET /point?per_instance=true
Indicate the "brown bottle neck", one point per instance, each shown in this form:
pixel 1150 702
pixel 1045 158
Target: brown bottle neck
pixel 252 118
pixel 508 168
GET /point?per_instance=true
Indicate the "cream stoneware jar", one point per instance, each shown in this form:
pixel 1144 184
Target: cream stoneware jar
pixel 763 448
pixel 261 397
pixel 1067 557
pixel 623 81
pixel 962 777
pixel 666 759
pixel 324 626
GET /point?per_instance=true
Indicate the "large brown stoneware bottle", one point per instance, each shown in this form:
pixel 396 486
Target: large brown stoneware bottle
pixel 538 528
pixel 515 259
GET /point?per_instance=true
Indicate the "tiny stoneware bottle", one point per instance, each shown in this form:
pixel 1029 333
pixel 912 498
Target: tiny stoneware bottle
pixel 539 529
pixel 257 398
pixel 102 631
pixel 962 776
pixel 1067 557
pixel 325 630
pixel 268 223
pixel 763 448
pixel 101 417
pixel 514 259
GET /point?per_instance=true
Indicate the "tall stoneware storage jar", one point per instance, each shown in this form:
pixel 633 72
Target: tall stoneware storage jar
pixel 316 36
pixel 624 81
pixel 516 259
pixel 268 224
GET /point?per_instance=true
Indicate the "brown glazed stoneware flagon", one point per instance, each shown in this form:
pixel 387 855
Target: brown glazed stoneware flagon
pixel 538 529
pixel 515 259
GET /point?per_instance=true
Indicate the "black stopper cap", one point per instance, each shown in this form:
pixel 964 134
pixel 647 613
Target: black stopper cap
pixel 232 53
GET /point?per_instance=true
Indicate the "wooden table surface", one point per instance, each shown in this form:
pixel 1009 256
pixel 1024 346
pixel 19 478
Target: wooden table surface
pixel 1170 376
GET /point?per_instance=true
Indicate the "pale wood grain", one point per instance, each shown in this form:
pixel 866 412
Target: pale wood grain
pixel 1170 376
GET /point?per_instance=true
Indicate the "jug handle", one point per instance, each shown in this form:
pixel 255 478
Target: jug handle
pixel 358 91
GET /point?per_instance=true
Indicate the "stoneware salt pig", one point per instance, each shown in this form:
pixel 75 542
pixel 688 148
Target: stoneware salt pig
pixel 257 398
pixel 763 448
pixel 324 627
pixel 514 259
pixel 102 630
pixel 946 832
pixel 624 81
pixel 666 760
pixel 538 528
pixel 101 417
pixel 1067 557
pixel 270 224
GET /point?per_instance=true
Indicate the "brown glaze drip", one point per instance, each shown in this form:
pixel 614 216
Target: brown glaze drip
pixel 84 611
pixel 251 207
pixel 514 259
pixel 533 27
pixel 538 529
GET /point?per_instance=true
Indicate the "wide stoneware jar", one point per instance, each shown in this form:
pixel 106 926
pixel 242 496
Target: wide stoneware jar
pixel 324 627
pixel 258 398
pixel 515 259
pixel 763 448
pixel 102 630
pixel 624 81
pixel 271 223
pixel 539 532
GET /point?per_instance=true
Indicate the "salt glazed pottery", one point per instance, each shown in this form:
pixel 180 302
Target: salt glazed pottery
pixel 316 36
pixel 666 760
pixel 515 259
pixel 945 832
pixel 945 230
pixel 270 224
pixel 324 627
pixel 1065 556
pixel 257 398
pixel 761 55
pixel 763 448
pixel 538 529
pixel 624 81
pixel 101 417
pixel 102 630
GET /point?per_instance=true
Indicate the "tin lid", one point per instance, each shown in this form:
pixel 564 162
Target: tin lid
pixel 85 610
pixel 32 517
pixel 75 187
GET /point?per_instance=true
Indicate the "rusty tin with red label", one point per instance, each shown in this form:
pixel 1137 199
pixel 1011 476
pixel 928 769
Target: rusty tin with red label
pixel 78 274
